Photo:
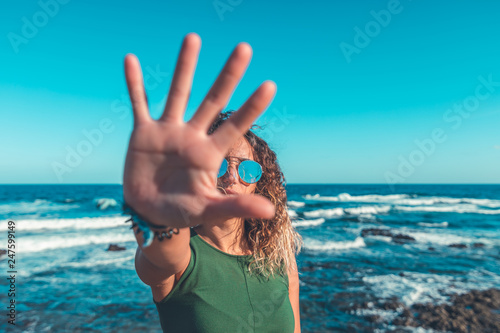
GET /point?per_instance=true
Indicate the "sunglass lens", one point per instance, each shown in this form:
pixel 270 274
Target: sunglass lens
pixel 250 171
pixel 223 168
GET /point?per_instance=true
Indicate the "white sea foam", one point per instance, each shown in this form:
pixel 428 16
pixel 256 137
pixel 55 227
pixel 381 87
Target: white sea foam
pixel 308 223
pixel 434 225
pixel 292 213
pixel 404 199
pixel 387 315
pixel 366 212
pixel 460 208
pixel 296 204
pixel 104 203
pixel 317 245
pixel 37 206
pixel 446 239
pixel 422 287
pixel 328 213
pixel 366 217
pixel 356 198
pixel 416 330
pixel 36 244
pixel 74 224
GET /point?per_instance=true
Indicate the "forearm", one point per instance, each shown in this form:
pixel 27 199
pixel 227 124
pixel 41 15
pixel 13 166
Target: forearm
pixel 165 253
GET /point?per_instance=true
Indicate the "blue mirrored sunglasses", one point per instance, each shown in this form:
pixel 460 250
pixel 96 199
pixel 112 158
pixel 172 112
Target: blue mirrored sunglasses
pixel 249 171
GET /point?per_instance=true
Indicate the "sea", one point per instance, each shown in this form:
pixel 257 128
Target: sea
pixel 65 280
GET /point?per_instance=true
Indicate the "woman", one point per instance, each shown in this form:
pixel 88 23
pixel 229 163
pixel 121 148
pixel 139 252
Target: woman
pixel 223 256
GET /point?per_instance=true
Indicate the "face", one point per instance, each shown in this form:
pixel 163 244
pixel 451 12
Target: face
pixel 231 182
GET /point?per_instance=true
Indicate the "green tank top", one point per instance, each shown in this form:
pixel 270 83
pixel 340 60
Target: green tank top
pixel 216 294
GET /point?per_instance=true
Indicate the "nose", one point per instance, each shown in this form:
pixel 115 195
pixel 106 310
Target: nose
pixel 231 176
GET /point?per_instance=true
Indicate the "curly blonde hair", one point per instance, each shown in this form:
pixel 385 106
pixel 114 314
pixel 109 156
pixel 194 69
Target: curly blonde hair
pixel 274 242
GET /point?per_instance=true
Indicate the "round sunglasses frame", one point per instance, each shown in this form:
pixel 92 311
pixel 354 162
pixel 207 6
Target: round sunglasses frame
pixel 240 170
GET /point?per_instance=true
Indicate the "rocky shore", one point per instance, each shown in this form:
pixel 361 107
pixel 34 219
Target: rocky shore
pixel 473 312
pixel 400 238
pixel 396 238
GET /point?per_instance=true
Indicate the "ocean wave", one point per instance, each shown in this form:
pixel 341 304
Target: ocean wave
pixel 296 204
pixel 462 208
pixel 317 245
pixel 366 217
pixel 292 213
pixel 346 197
pixel 446 239
pixel 36 206
pixel 415 287
pixel 434 225
pixel 36 244
pixel 308 223
pixel 103 203
pixel 365 212
pixel 328 213
pixel 73 224
pixel 404 199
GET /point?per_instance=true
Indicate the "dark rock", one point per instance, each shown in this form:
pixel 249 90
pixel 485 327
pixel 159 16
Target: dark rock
pixel 458 246
pixel 401 239
pixel 405 319
pixel 114 247
pixel 373 318
pixel 477 245
pixel 392 305
pixel 376 232
pixel 2 252
pixel 431 248
pixel 475 311
pixel 396 238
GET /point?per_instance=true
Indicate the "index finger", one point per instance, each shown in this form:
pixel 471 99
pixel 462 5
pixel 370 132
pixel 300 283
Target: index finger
pixel 240 122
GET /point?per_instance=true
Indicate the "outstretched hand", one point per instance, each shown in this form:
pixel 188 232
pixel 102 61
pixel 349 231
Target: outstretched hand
pixel 171 166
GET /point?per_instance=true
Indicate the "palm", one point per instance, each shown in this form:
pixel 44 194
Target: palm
pixel 171 166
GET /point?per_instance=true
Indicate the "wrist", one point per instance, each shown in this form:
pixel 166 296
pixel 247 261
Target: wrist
pixel 149 230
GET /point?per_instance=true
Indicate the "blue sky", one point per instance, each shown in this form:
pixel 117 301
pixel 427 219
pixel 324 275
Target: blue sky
pixel 368 91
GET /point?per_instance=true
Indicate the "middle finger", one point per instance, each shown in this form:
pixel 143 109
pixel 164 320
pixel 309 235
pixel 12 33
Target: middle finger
pixel 221 90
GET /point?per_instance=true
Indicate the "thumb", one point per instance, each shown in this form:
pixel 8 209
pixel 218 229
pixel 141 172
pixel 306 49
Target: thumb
pixel 244 205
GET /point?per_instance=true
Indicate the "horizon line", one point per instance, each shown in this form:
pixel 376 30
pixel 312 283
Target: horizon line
pixel 59 184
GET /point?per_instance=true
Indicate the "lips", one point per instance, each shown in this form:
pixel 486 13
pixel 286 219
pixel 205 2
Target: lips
pixel 230 192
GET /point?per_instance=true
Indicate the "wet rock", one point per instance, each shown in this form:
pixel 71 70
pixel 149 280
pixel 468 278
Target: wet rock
pixel 458 246
pixel 475 311
pixel 374 318
pixel 477 245
pixel 2 252
pixel 401 239
pixel 114 247
pixel 376 232
pixel 350 302
pixel 405 319
pixel 392 306
pixel 431 248
pixel 396 238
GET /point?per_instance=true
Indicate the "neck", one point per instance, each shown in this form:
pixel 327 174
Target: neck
pixel 226 236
